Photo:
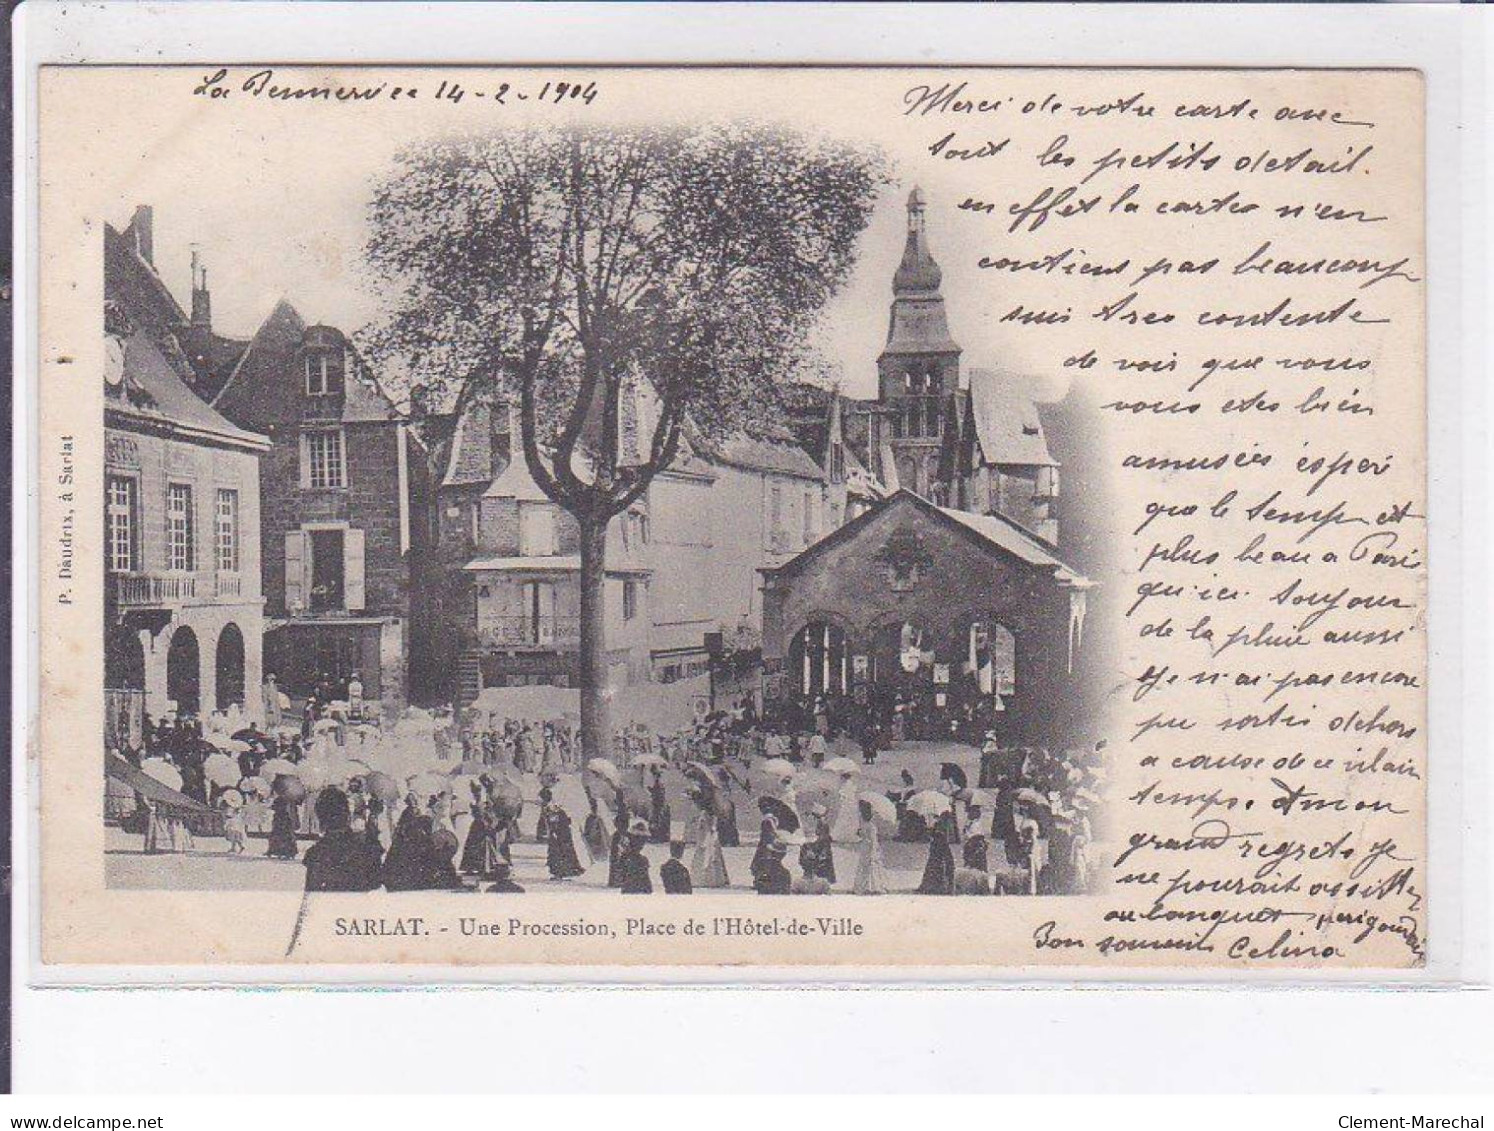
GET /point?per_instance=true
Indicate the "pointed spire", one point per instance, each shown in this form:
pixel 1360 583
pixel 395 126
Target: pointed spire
pixel 918 271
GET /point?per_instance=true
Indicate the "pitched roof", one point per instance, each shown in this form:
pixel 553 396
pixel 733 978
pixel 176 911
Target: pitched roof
pixel 470 461
pixel 1002 531
pixel 1006 420
pixel 249 393
pixel 773 456
pixel 154 392
pixel 992 530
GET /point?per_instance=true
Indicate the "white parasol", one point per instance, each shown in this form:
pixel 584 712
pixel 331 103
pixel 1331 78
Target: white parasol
pixel 881 806
pixel 163 772
pixel 221 770
pixel 841 765
pixel 778 767
pixel 928 803
pixel 605 769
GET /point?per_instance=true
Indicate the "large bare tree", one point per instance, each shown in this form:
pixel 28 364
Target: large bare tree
pixel 560 265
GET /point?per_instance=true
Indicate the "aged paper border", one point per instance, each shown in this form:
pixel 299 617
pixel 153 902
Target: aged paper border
pixel 893 49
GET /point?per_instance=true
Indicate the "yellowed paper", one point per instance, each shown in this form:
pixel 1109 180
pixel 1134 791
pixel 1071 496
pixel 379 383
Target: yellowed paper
pixel 1124 465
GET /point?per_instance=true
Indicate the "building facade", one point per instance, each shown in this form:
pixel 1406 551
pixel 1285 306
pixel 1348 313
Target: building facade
pixel 182 601
pixel 971 439
pixel 683 564
pixel 346 510
pixel 509 570
pixel 967 620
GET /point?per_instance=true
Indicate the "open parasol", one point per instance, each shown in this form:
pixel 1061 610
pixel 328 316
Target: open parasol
pixel 778 767
pixel 649 762
pixel 841 765
pixel 428 783
pixel 277 766
pixel 605 770
pixel 290 787
pixel 881 806
pixel 221 770
pixel 382 786
pixel 781 812
pixel 255 785
pixel 232 798
pixel 163 772
pixel 928 803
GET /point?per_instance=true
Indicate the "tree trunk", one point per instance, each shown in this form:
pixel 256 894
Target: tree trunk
pixel 596 724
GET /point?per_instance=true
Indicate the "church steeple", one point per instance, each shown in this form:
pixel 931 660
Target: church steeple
pixel 918 272
pixel 918 324
pixel 919 370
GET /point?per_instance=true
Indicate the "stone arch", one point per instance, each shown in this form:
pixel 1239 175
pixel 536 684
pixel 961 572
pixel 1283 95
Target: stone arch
pixel 228 667
pixel 183 672
pixel 819 660
pixel 124 660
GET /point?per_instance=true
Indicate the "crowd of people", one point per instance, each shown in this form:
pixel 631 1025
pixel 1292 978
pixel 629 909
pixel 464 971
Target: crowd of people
pixel 1025 825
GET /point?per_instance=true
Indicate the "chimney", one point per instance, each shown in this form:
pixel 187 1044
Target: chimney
pixel 142 228
pixel 202 301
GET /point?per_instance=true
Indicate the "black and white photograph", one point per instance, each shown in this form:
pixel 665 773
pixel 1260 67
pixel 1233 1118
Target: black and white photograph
pixel 604 527
pixel 504 493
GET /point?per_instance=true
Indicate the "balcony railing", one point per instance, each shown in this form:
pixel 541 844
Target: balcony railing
pixel 229 584
pixel 143 590
pixel 527 632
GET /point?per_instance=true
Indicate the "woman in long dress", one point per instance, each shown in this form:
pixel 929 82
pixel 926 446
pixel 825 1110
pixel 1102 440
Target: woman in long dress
pixel 560 853
pixel 283 830
pixel 871 871
pixel 658 817
pixel 594 831
pixel 475 852
pixel 708 864
pixel 938 873
pixel 846 826
pixel 726 813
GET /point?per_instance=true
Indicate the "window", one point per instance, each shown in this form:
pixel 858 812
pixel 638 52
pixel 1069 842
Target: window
pixel 325 464
pixel 180 551
pixel 539 612
pixel 324 373
pixel 643 529
pixel 630 599
pixel 328 572
pixel 119 523
pixel 227 531
pixel 476 519
pixel 837 462
pixel 921 407
pixel 536 530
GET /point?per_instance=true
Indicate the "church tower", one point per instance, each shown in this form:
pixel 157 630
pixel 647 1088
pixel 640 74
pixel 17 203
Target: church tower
pixel 919 370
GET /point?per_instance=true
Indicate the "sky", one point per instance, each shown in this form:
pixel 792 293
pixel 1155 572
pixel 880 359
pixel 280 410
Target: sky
pixel 275 197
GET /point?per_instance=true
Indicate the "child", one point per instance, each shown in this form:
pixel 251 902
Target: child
pixel 673 873
pixel 235 828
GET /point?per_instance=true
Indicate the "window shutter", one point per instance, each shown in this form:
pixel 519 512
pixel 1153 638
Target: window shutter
pixel 305 461
pixel 352 565
pixel 295 571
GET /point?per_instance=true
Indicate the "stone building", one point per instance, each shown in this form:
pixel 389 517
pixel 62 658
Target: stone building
pixel 962 617
pixel 509 565
pixel 971 439
pixel 682 564
pixel 182 602
pixel 345 527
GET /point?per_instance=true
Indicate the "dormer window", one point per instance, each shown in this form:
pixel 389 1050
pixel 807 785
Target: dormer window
pixel 324 372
